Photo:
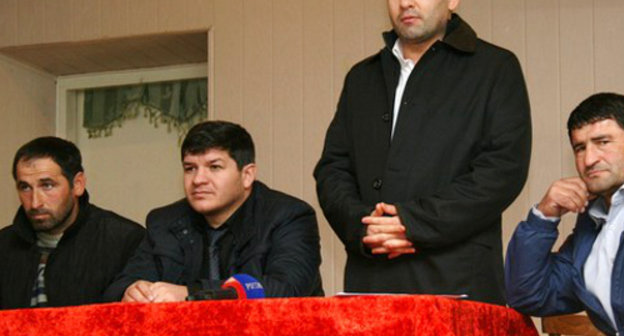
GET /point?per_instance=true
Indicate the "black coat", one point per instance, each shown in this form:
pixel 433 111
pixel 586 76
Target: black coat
pixel 459 156
pixel 92 251
pixel 275 240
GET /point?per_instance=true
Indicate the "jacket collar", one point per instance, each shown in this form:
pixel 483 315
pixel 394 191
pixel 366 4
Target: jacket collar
pixel 459 36
pixel 25 231
pixel 239 222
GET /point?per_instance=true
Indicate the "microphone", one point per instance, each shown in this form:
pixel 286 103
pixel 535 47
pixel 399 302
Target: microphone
pixel 238 286
pixel 246 286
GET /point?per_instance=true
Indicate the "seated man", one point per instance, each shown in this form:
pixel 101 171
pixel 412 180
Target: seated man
pixel 227 224
pixel 60 250
pixel 588 271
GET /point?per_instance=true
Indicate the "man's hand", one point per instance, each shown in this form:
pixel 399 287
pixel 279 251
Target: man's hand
pixel 145 291
pixel 565 195
pixel 167 292
pixel 386 234
pixel 139 291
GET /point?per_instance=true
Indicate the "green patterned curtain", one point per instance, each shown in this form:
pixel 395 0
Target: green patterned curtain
pixel 177 104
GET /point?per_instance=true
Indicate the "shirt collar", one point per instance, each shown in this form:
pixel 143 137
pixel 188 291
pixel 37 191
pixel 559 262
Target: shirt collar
pixel 598 211
pixel 398 53
pixel 459 36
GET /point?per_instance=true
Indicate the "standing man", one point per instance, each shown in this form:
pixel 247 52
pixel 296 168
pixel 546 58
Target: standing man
pixel 60 250
pixel 228 223
pixel 588 271
pixel 430 143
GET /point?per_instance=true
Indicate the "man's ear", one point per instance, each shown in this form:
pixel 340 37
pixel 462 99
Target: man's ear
pixel 80 182
pixel 248 175
pixel 453 4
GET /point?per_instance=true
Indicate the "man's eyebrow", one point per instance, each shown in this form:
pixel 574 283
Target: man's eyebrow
pixel 601 137
pixel 46 180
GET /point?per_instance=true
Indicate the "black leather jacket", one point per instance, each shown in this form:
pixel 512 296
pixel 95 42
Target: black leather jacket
pixel 275 240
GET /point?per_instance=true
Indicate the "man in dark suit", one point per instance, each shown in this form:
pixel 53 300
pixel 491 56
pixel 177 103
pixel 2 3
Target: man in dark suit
pixel 430 143
pixel 228 223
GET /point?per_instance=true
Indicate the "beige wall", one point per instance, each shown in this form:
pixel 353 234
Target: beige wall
pixel 26 110
pixel 279 67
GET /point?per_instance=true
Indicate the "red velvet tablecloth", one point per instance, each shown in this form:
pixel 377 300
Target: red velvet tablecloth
pixel 364 315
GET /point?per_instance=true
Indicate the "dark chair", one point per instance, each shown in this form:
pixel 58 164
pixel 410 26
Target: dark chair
pixel 573 324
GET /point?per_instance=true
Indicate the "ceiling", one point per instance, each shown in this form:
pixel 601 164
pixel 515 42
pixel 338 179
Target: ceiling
pixel 147 51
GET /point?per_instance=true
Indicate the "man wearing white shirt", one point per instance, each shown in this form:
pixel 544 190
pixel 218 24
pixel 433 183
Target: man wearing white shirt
pixel 587 273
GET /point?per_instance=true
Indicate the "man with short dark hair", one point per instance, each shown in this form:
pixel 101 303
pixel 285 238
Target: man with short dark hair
pixel 588 271
pixel 228 223
pixel 60 250
pixel 429 145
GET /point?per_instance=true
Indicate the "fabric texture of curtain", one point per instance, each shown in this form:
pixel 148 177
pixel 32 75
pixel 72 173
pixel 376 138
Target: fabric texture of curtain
pixel 177 104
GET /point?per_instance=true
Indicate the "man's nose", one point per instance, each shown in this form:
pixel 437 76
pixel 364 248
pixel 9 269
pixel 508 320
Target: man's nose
pixel 36 201
pixel 200 177
pixel 592 156
pixel 406 3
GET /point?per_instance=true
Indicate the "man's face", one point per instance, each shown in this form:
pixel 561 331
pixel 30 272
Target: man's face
pixel 599 155
pixel 420 20
pixel 51 205
pixel 214 185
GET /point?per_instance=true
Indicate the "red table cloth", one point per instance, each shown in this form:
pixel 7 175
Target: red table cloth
pixel 361 315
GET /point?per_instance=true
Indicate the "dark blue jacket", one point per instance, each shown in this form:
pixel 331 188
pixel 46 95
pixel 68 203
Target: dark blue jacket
pixel 276 241
pixel 541 283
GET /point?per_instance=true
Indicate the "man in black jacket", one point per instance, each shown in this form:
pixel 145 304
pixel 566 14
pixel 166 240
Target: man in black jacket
pixel 227 224
pixel 430 143
pixel 60 250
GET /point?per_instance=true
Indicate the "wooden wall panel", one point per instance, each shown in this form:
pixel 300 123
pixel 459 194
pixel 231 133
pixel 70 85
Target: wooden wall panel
pixel 30 20
pixel 542 74
pixel 86 19
pixel 318 107
pixel 115 18
pixel 478 13
pixel 608 46
pixel 27 99
pixel 257 82
pixel 375 23
pixel 287 82
pixel 577 78
pixel 199 14
pixel 228 67
pixel 509 26
pixel 142 16
pixel 55 29
pixel 8 22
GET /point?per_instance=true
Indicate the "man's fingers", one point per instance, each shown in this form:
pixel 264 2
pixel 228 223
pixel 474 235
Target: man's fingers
pixel 389 209
pixel 392 244
pixel 384 250
pixel 370 220
pixel 138 292
pixel 381 238
pixel 392 228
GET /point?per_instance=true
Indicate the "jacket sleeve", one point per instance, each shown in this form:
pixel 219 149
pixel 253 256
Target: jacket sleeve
pixel 292 264
pixel 141 266
pixel 336 184
pixel 476 198
pixel 539 282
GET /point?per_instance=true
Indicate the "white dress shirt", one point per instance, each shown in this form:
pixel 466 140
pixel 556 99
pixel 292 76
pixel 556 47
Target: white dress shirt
pixel 598 268
pixel 407 65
